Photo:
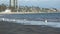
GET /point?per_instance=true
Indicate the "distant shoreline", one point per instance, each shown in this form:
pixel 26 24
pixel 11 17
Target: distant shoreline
pixel 24 12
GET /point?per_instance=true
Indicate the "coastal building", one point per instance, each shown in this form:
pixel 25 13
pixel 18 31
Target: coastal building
pixel 13 3
pixel 7 11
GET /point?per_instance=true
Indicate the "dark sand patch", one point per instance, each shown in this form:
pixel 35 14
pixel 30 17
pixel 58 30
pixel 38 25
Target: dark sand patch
pixel 15 28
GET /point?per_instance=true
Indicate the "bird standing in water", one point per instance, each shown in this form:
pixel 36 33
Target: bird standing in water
pixel 46 22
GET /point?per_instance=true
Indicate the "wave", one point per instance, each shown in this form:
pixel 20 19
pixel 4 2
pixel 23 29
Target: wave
pixel 1 15
pixel 27 22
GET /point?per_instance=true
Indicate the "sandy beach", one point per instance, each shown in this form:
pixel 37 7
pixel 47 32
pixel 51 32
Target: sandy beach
pixel 16 28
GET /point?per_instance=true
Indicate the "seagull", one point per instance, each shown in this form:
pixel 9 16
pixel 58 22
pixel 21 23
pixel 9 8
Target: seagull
pixel 46 22
pixel 3 19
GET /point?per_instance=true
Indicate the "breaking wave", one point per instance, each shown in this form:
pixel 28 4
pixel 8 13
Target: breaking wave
pixel 29 22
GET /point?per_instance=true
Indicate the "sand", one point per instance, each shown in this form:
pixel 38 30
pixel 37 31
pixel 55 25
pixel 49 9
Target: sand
pixel 16 28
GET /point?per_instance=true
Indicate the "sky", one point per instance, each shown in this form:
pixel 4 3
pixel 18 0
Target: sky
pixel 39 3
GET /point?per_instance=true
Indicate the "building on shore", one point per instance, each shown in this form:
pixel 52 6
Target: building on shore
pixel 13 3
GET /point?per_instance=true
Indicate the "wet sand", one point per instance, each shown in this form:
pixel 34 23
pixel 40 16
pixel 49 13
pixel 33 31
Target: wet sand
pixel 15 28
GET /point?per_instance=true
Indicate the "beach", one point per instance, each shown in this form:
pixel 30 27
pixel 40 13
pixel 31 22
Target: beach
pixel 17 28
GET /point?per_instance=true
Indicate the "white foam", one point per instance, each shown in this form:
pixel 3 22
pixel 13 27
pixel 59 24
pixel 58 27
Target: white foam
pixel 26 22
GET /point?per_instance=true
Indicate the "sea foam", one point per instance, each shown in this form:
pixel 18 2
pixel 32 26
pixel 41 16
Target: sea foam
pixel 27 22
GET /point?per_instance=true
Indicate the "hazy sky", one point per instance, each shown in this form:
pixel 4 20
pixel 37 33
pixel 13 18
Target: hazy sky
pixel 40 3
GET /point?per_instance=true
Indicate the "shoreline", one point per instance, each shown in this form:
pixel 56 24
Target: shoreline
pixel 24 12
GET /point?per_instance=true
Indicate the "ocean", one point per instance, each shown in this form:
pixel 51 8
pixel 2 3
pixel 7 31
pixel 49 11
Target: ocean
pixel 49 19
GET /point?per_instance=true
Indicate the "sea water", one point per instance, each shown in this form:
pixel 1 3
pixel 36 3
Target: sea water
pixel 33 19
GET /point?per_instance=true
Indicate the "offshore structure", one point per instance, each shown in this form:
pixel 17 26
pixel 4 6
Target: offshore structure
pixel 13 3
